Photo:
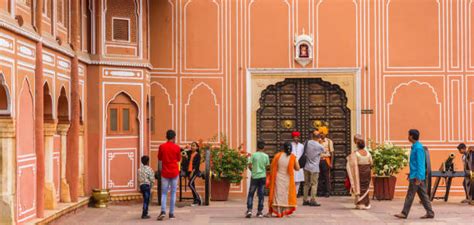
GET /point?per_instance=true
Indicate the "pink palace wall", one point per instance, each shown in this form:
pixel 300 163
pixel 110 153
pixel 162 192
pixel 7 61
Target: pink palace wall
pixel 415 60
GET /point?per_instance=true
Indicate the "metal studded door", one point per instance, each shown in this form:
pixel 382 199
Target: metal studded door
pixel 299 104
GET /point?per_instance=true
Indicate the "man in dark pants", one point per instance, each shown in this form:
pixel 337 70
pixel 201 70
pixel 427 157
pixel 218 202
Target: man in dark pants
pixel 417 178
pixel 462 148
pixel 258 164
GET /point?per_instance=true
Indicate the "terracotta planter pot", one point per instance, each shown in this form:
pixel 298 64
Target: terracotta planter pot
pixel 220 190
pixel 384 187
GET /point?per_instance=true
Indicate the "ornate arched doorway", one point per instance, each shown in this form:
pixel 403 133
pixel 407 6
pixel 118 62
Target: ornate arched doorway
pixel 295 104
pixel 122 144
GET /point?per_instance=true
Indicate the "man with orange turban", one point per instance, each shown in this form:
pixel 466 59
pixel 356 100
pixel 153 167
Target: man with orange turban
pixel 297 149
pixel 326 163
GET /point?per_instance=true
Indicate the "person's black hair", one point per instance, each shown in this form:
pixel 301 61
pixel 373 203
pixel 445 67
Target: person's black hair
pixel 287 148
pixel 316 135
pixel 462 146
pixel 170 134
pixel 360 144
pixel 197 144
pixel 145 160
pixel 415 134
pixel 260 145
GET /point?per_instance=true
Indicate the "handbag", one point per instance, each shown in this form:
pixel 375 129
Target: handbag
pixel 303 158
pixel 347 184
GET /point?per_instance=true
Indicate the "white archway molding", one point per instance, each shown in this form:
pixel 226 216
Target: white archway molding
pixel 170 102
pixel 420 84
pixel 4 85
pixel 216 104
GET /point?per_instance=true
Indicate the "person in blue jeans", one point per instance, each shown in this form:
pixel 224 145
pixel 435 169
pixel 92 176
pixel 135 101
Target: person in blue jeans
pixel 145 179
pixel 169 154
pixel 258 163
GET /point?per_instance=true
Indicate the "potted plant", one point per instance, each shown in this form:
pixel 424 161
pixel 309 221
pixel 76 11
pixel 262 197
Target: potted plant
pixel 227 166
pixel 388 160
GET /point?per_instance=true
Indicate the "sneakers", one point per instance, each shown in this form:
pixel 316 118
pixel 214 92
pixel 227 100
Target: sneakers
pixel 248 214
pixel 196 203
pixel 161 216
pixel 145 217
pixel 260 214
pixel 314 204
pixel 306 203
pixel 172 217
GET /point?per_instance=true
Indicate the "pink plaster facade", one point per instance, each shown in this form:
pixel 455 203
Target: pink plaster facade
pixel 184 64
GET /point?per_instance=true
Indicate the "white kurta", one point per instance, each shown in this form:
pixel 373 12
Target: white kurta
pixel 297 149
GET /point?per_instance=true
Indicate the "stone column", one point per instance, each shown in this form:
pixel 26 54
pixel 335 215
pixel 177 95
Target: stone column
pixel 73 152
pixel 50 201
pixel 65 195
pixel 7 171
pixel 81 162
pixel 39 111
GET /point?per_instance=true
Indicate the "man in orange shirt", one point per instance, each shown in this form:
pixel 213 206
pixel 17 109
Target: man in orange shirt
pixel 169 154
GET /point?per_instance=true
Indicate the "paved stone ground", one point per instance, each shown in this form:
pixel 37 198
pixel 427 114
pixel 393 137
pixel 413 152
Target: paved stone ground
pixel 334 210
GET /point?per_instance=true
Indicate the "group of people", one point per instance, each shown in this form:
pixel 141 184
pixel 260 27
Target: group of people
pixel 172 159
pixel 286 174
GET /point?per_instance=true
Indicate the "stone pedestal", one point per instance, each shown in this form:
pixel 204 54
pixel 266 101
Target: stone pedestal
pixel 65 195
pixel 50 201
pixel 7 171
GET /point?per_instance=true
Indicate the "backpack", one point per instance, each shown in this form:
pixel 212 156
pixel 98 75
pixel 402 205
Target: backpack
pixel 303 158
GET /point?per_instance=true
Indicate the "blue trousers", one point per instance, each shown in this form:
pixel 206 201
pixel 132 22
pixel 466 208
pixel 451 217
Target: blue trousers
pixel 256 185
pixel 168 184
pixel 145 189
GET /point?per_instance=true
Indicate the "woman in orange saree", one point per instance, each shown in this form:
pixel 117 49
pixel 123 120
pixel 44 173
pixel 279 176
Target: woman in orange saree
pixel 282 198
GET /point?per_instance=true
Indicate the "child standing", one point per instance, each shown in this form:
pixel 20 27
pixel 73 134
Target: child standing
pixel 258 163
pixel 146 178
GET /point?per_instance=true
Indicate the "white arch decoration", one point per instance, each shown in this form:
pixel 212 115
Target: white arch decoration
pixel 170 103
pixel 406 84
pixel 204 85
pixel 3 83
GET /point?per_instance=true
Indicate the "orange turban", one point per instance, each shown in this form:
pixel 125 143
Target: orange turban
pixel 324 130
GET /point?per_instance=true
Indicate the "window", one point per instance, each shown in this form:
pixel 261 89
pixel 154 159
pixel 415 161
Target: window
pixel 121 29
pixel 113 120
pixel 126 119
pixel 119 121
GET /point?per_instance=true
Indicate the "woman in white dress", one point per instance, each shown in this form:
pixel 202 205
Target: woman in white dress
pixel 297 149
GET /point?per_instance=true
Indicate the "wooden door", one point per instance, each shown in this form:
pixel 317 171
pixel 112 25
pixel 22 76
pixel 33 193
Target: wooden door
pixel 295 104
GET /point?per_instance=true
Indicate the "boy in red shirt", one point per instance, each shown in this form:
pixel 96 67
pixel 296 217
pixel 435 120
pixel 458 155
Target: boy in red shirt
pixel 169 154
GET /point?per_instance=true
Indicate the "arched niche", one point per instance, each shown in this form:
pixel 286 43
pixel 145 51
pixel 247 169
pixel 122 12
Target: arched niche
pixel 47 103
pixel 63 107
pixel 5 104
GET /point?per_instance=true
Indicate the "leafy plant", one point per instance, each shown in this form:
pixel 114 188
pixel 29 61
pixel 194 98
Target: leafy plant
pixel 227 163
pixel 388 159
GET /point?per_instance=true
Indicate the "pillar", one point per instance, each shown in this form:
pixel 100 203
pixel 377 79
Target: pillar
pixel 7 171
pixel 81 162
pixel 50 200
pixel 73 152
pixel 39 111
pixel 64 195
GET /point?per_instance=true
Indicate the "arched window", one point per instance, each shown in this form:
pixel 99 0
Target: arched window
pixel 121 116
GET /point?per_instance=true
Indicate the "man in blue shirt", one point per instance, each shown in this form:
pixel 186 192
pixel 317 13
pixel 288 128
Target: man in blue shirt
pixel 417 178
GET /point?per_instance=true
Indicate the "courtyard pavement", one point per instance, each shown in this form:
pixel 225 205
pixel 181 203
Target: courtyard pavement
pixel 334 210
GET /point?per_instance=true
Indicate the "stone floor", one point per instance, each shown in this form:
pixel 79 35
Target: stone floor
pixel 334 210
